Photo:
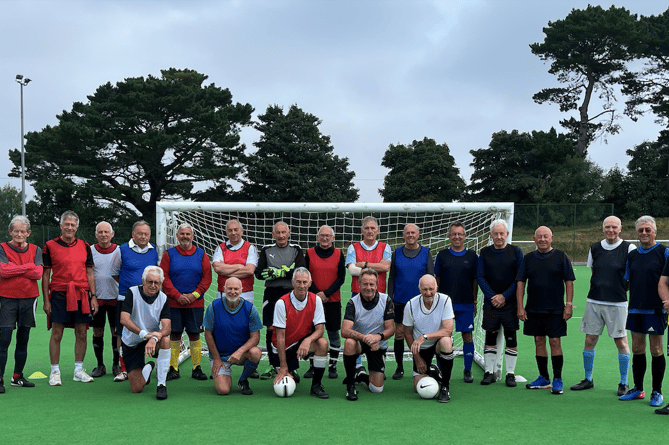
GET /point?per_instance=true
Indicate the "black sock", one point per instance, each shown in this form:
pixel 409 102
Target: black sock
pixel 334 356
pixel 99 348
pixel 542 364
pixel 398 345
pixel 114 346
pixel 658 365
pixel 638 370
pixel 349 367
pixel 557 361
pixel 268 344
pixel 445 363
pixel 5 340
pixel 318 376
pixel 21 352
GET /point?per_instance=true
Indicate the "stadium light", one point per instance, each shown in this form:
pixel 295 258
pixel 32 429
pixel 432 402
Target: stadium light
pixel 23 82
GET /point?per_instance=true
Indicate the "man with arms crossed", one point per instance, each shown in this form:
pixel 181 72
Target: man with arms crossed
pixel 235 258
pixel 428 320
pixel 607 302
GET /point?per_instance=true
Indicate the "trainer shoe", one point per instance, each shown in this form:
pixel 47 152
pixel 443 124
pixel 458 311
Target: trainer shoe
pixel 444 395
pixel 99 371
pixel 81 376
pixel 21 381
pixel 540 383
pixel 244 387
pixel 664 410
pixel 269 374
pixel 122 376
pixel 510 380
pixel 361 375
pixel 584 384
pixel 161 392
pixel 332 372
pixel 254 375
pixel 351 392
pixel 54 378
pixel 488 378
pixel 467 376
pixel 115 369
pixel 399 373
pixel 622 389
pixel 319 391
pixel 173 374
pixel 310 373
pixel 197 373
pixel 434 372
pixel 557 386
pixel 296 377
pixel 2 386
pixel 633 394
pixel 656 399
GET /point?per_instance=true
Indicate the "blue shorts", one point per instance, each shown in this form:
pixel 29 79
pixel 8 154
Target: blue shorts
pixel 464 320
pixel 60 314
pixel 189 319
pixel 652 324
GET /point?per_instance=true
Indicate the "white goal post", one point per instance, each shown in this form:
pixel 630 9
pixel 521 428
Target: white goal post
pixel 208 220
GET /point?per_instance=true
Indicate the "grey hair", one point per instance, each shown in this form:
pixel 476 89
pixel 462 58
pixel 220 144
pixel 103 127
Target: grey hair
pixel 234 221
pixel 497 222
pixel 141 222
pixel 69 214
pixel 280 222
pixel 368 219
pixel 185 226
pixel 321 228
pixel 153 269
pixel 646 219
pixel 103 222
pixel 302 270
pixel 19 218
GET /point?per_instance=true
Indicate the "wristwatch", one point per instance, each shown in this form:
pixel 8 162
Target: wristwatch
pixel 425 336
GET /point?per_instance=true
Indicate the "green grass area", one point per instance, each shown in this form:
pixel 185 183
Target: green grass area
pixel 107 412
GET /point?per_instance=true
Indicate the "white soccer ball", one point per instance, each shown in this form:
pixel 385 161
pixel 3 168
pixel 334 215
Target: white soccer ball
pixel 285 387
pixel 427 387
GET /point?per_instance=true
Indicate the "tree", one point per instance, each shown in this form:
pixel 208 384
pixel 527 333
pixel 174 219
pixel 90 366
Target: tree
pixel 587 50
pixel 134 143
pixel 295 162
pixel 538 167
pixel 423 171
pixel 10 205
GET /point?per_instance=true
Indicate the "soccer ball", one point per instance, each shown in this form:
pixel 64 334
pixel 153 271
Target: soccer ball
pixel 285 387
pixel 427 388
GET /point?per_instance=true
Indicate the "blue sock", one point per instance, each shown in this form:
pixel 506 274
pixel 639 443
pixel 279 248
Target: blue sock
pixel 468 351
pixel 588 363
pixel 249 367
pixel 624 365
pixel 358 362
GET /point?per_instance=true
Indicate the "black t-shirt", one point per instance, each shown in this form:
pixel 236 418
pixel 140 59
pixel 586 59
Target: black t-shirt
pixel 545 274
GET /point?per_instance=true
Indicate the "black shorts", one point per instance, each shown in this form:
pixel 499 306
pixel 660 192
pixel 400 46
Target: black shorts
pixel 376 360
pixel 133 356
pixel 399 312
pixel 270 297
pixel 189 319
pixel 106 311
pixel 493 318
pixel 60 314
pixel 427 355
pixel 545 325
pixel 332 315
pixel 291 357
pixel 17 312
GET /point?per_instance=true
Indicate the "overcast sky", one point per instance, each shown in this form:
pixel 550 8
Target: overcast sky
pixel 375 72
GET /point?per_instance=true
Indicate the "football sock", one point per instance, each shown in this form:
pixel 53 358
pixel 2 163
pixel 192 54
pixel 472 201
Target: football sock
pixel 349 367
pixel 468 351
pixel 358 362
pixel 249 367
pixel 162 366
pixel 638 370
pixel 510 355
pixel 146 372
pixel 658 365
pixel 21 352
pixel 175 347
pixel 319 369
pixel 334 339
pixel 5 340
pixel 122 362
pixel 398 345
pixel 55 367
pixel 624 366
pixel 98 349
pixel 542 364
pixel 114 346
pixel 445 361
pixel 311 363
pixel 557 361
pixel 334 356
pixel 375 389
pixel 268 345
pixel 78 366
pixel 489 355
pixel 588 363
pixel 195 352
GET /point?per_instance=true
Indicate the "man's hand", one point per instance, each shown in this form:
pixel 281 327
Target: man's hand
pixel 272 273
pixel 522 315
pixel 421 366
pixel 415 346
pixel 150 347
pixel 184 299
pixel 568 312
pixel 303 350
pixel 47 307
pixel 236 357
pixel 216 366
pixel 322 296
pixel 498 300
pixel 283 372
pixel 94 306
pixel 287 269
pixel 371 341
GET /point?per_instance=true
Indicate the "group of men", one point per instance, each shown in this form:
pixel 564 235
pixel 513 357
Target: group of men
pixel 423 301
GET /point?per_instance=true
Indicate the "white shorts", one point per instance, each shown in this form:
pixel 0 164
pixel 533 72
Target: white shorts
pixel 226 369
pixel 597 315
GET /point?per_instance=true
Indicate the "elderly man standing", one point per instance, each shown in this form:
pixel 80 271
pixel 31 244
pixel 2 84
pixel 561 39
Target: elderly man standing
pixel 648 298
pixel 103 253
pixel 607 302
pixel 407 265
pixel 187 278
pixel 276 264
pixel 298 332
pixel 20 268
pixel 549 274
pixel 368 322
pixel 232 331
pixel 127 268
pixel 326 264
pixel 235 258
pixel 496 272
pixel 145 317
pixel 68 289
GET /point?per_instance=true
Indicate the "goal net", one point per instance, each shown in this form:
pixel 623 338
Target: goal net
pixel 208 220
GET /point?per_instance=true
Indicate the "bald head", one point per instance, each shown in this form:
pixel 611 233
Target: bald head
pixel 233 289
pixel 543 238
pixel 428 287
pixel 612 227
pixel 104 234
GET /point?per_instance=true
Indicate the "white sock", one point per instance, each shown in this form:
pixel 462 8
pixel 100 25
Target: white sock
pixel 78 366
pixel 146 372
pixel 510 356
pixel 489 355
pixel 320 362
pixel 55 368
pixel 376 389
pixel 162 365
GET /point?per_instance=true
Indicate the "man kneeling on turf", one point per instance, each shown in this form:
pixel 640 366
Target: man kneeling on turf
pixel 299 322
pixel 428 318
pixel 369 320
pixel 232 332
pixel 145 317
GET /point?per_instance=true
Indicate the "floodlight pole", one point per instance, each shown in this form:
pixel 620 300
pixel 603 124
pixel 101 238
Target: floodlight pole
pixel 23 82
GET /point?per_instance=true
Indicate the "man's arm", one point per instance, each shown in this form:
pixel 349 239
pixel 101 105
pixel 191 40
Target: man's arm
pixel 90 277
pixel 520 294
pixel 281 353
pixel 663 291
pixel 253 340
pixel 569 308
pixel 46 297
pixel 217 363
pixel 390 288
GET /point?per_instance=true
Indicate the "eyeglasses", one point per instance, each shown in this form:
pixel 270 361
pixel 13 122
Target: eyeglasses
pixel 153 283
pixel 645 230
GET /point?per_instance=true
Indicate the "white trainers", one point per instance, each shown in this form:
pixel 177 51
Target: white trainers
pixel 54 378
pixel 81 376
pixel 121 377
